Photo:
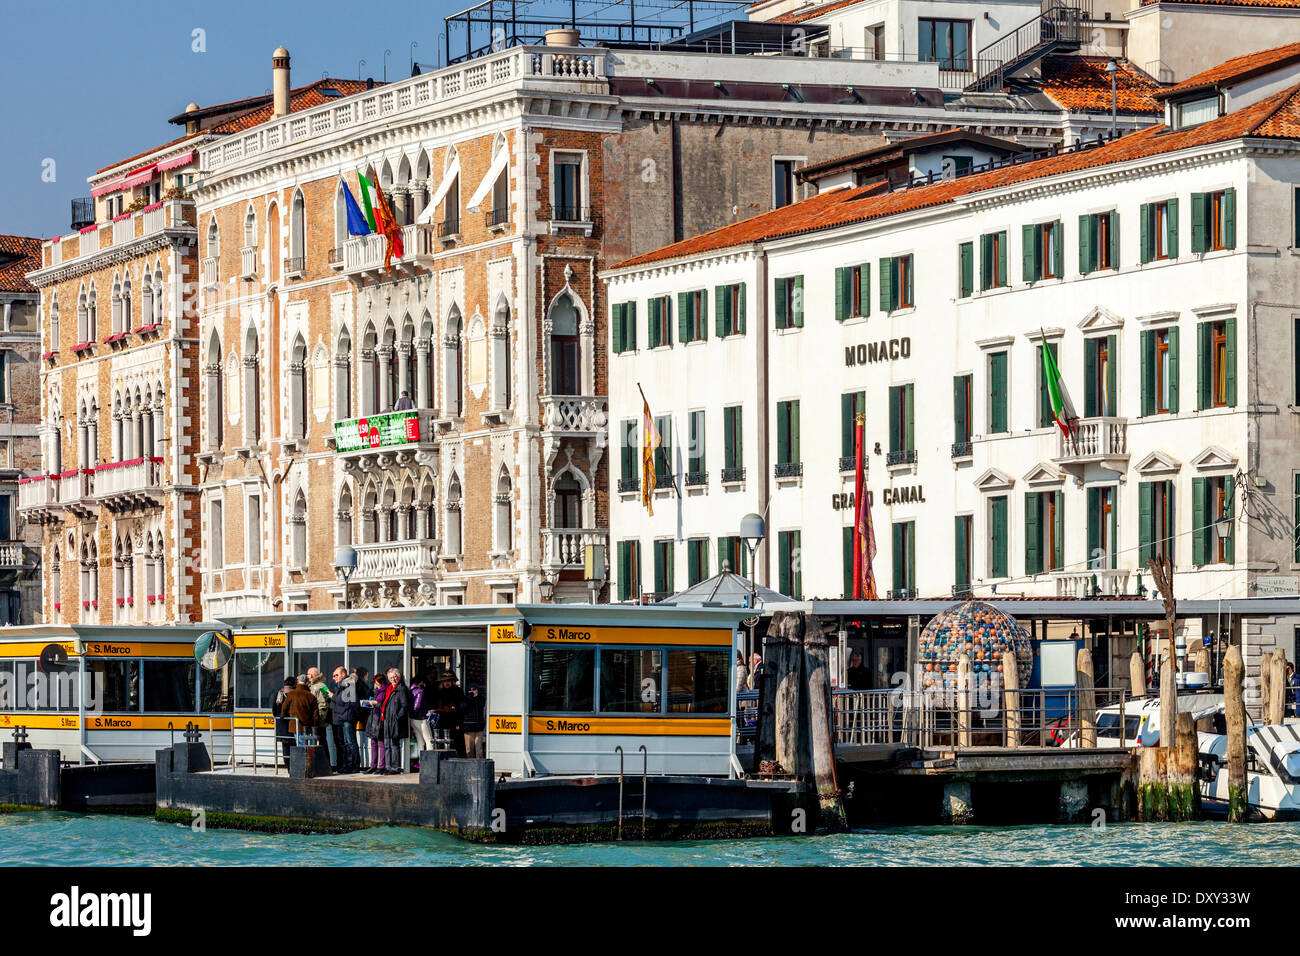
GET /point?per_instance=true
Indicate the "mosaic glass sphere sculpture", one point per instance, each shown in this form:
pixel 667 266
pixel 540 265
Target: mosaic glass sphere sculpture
pixel 979 630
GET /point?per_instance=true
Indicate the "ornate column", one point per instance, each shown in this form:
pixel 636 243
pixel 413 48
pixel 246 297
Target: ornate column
pixel 424 389
pixel 342 387
pixel 404 368
pixel 369 403
pixel 252 414
pixel 213 373
pixel 157 429
pixel 404 522
pixel 117 436
pixel 588 331
pixel 385 355
pixel 93 442
pixel 381 530
pixel 297 411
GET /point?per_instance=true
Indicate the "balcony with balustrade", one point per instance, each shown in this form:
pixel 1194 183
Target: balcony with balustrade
pixel 77 491
pixel 13 556
pixel 38 499
pixel 125 485
pixel 387 440
pixel 411 561
pixel 1096 583
pixel 363 256
pixel 1102 441
pixel 576 415
pixel 247 263
pixel 74 252
pixel 564 549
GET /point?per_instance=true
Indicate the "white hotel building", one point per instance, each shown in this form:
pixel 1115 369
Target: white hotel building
pixel 1160 268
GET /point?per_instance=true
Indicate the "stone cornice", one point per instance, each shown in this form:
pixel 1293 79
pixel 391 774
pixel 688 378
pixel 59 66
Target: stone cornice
pixel 165 238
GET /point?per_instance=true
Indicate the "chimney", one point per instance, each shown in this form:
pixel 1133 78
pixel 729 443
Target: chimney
pixel 191 125
pixel 280 81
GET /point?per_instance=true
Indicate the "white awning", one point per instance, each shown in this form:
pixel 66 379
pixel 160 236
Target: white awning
pixel 449 177
pixel 499 162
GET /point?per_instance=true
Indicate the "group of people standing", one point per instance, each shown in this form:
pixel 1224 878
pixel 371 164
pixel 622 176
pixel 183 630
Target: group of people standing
pixel 344 713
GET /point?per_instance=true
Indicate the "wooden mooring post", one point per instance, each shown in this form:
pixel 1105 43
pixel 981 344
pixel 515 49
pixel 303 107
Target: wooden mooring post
pixel 786 633
pixel 1234 705
pixel 1184 793
pixel 1087 698
pixel 1137 675
pixel 820 732
pixel 965 681
pixel 1011 697
pixel 1276 700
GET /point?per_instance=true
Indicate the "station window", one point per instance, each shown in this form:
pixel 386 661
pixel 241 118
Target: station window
pixel 259 675
pixel 564 679
pixel 654 680
pixel 115 684
pixel 697 682
pixel 169 686
pixel 630 681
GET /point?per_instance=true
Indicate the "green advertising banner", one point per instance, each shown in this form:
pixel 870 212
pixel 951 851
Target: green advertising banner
pixel 377 431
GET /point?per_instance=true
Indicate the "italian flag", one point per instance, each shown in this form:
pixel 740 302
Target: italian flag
pixel 1062 410
pixel 368 199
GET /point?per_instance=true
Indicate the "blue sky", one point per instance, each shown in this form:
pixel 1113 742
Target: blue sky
pixel 87 84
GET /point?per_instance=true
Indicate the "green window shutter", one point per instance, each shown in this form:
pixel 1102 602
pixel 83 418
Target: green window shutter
pixel 1204 338
pixel 1002 259
pixel 1171 521
pixel 703 301
pixel 1029 254
pixel 798 302
pixel 796 560
pixel 683 317
pixel 1112 408
pixel 1058 542
pixel 1230 358
pixel 1230 219
pixel 794 431
pixel 667 306
pixel 1199 243
pixel 1146 220
pixel 909 435
pixel 1033 515
pixel 779 296
pixel 1146 522
pixel 1059 252
pixel 1094 524
pixel 617 322
pixel 723 554
pixel 1114 240
pixel 652 320
pixel 1171 228
pixel 986 261
pixel 999 537
pixel 846 425
pixel 1148 361
pixel 1296 518
pixel 622 571
pixel 911 555
pixel 959 410
pixel 864 289
pixel 846 554
pixel 720 310
pixel 895 419
pixel 841 293
pixel 966 269
pixel 1230 540
pixel 783 545
pixel 692 564
pixel 1045 416
pixel 740 310
pixel 1173 370
pixel 908 291
pixel 962 555
pixel 1200 519
pixel 998 392
pixel 1085 245
pixel 1090 396
pixel 669 567
pixel 898 531
pixel 629 328
pixel 886 285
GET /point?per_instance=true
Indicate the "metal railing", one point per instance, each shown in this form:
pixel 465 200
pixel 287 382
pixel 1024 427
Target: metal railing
pixel 986 716
pixel 961 449
pixel 901 456
pixel 1059 24
pixel 449 228
pixel 730 475
pixel 626 485
pixel 294 265
pixel 496 217
pixel 789 469
pixel 566 213
pixel 696 478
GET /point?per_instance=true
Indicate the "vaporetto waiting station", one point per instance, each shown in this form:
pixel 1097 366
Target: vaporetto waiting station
pixel 566 684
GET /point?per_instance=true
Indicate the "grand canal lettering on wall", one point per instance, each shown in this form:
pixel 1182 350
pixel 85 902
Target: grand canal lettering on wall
pixel 882 351
pixel 907 495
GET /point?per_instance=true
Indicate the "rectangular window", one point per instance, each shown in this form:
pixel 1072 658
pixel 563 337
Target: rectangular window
pixel 697 682
pixel 946 42
pixel 965 270
pixel 661 330
pixel 1155 521
pixel 1041 251
pixel 1046 417
pixel 876 44
pixel 993 260
pixel 697 560
pixel 733 555
pixel 253 545
pixel 852 292
pixel 1216 372
pixel 1044 541
pixel 962 426
pixel 791 573
pixel 6 518
pixel 902 438
pixel 1160 371
pixel 998 537
pixel 787 432
pixel 629 680
pixel 852 404
pixel 962 555
pixel 169 687
pixel 624 327
pixel 1101 528
pixel 1214 220
pixel 568 189
pixel 629 455
pixel 695 462
pixel 664 453
pixel 564 679
pixel 216 532
pixel 788 301
pixel 733 456
pixel 1099 383
pixel 1195 112
pixel 1211 502
pixel 783 183
pixel 904 558
pixel 1098 242
pixel 998 422
pixel 954 166
pixel 629 570
pixel 692 316
pixel 896 283
pixel 729 309
pixel 259 675
pixel 663 568
pixel 1160 230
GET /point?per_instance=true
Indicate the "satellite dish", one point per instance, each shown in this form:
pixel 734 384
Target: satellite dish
pixel 212 650
pixel 53 657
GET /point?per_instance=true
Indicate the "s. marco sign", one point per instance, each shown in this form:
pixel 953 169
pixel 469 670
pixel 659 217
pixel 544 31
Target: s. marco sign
pixel 377 431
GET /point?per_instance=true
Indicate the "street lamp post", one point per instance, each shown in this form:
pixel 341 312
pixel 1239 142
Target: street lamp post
pixel 345 563
pixel 753 529
pixel 1112 68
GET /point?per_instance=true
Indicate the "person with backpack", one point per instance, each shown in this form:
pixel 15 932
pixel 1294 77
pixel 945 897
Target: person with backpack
pixel 346 710
pixel 420 700
pixel 324 725
pixel 375 724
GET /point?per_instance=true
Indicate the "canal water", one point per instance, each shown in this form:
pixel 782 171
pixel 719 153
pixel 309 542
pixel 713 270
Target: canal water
pixel 59 839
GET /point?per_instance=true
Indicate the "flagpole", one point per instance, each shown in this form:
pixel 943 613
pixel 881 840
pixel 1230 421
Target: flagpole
pixel 646 402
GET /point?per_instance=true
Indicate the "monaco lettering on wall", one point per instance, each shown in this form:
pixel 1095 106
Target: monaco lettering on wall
pixel 882 351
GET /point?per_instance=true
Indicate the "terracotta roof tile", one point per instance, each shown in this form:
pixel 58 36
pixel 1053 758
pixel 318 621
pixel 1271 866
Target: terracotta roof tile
pixel 1239 66
pixel 1082 85
pixel 303 98
pixel 1275 116
pixel 803 14
pixel 1235 3
pixel 19 255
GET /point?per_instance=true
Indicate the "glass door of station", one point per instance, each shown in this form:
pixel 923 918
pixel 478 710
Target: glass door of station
pixel 881 650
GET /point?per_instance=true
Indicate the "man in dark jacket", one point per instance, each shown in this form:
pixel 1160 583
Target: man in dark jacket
pixel 473 721
pixel 396 715
pixel 300 703
pixel 346 712
pixel 451 702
